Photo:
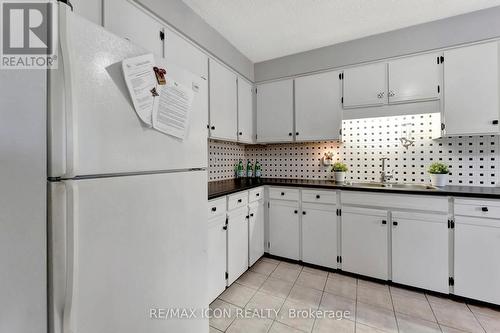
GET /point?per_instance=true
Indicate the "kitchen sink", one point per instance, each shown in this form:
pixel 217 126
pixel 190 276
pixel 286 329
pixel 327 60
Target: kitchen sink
pixel 393 186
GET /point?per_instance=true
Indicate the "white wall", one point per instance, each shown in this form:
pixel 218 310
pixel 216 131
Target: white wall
pixel 23 263
pixel 452 31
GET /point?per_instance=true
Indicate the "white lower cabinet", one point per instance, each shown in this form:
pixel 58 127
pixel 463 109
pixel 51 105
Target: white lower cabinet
pixel 319 234
pixel 255 231
pixel 284 236
pixel 477 268
pixel 420 250
pixel 237 243
pixel 217 236
pixel 365 242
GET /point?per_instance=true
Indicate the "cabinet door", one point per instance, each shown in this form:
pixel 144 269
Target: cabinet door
pixel 90 9
pixel 246 129
pixel 420 250
pixel 256 232
pixel 365 242
pixel 184 54
pixel 128 21
pixel 477 269
pixel 223 104
pixel 414 79
pixel 237 244
pixel 275 112
pixel 365 86
pixel 318 107
pixel 319 235
pixel 471 94
pixel 216 256
pixel 284 229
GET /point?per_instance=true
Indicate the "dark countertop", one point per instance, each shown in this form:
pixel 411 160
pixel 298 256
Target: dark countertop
pixel 224 187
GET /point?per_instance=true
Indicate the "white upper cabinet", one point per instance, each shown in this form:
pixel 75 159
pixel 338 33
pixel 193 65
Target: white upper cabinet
pixel 223 102
pixel 275 112
pixel 130 22
pixel 246 129
pixel 365 86
pixel 318 107
pixel 414 79
pixel 90 9
pixel 184 54
pixel 471 94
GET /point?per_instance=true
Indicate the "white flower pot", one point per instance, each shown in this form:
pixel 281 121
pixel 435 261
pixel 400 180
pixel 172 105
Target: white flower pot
pixel 439 179
pixel 339 176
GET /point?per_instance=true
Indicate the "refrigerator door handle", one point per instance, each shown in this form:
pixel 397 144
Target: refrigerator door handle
pixel 69 311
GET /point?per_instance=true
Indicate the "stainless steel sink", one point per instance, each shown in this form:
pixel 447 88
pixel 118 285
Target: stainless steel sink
pixel 421 187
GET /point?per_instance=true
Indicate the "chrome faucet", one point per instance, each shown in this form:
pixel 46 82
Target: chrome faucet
pixel 385 176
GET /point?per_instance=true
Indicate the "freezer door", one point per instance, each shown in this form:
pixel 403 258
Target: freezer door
pixel 122 247
pixel 93 128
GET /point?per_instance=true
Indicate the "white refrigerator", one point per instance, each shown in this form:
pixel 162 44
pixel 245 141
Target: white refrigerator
pixel 127 204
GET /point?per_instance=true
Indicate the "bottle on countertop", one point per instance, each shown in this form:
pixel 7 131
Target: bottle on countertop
pixel 240 169
pixel 249 169
pixel 258 170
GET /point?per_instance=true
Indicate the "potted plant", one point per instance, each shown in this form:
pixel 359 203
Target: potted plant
pixel 339 169
pixel 439 174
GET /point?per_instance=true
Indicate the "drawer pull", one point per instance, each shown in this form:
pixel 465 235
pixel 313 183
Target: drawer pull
pixel 257 194
pixel 251 215
pixel 384 222
pixel 239 200
pixel 247 217
pixel 282 193
pixel 303 213
pixel 224 227
pixel 395 223
pixel 484 209
pixel 214 209
pixel 295 211
pixel 318 196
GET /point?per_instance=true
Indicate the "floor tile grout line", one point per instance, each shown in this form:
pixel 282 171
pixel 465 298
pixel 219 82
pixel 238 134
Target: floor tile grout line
pixel 475 317
pixel 394 309
pixel 433 312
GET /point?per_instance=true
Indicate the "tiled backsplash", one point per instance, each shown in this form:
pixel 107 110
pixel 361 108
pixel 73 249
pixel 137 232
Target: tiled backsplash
pixel 472 160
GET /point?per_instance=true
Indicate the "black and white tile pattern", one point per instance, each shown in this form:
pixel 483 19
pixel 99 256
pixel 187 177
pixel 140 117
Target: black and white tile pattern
pixel 472 160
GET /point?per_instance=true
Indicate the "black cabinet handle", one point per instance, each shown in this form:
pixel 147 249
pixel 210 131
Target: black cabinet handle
pixel 484 209
pixel 318 196
pixel 303 213
pixel 224 227
pixel 239 200
pixel 297 133
pixel 212 128
pixel 258 194
pixel 295 211
pixel 214 209
pixel 251 215
pixel 495 122
pixel 394 223
pixel 282 193
pixel 290 134
pixel 247 217
pixel 384 222
pixel 240 133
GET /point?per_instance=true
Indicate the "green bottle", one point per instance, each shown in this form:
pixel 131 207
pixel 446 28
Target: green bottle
pixel 258 170
pixel 240 169
pixel 249 169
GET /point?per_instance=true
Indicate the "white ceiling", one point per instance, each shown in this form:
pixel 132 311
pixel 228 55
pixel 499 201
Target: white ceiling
pixel 267 29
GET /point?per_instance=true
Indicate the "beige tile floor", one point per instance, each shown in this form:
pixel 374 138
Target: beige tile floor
pixel 278 287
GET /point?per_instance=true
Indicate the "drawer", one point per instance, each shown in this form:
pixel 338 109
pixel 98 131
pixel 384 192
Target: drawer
pixel 217 207
pixel 256 194
pixel 477 208
pixel 324 197
pixel 237 200
pixel 278 193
